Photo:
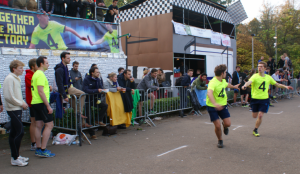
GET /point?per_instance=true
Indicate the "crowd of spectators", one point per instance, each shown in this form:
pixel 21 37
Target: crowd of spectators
pixel 73 8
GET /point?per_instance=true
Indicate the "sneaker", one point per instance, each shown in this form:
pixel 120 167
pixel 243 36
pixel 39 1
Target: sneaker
pixel 271 105
pixel 33 148
pixel 24 159
pixel 151 112
pixel 225 129
pixel 18 162
pixel 37 152
pixel 135 123
pixel 47 154
pixel 250 110
pixel 255 133
pixel 220 144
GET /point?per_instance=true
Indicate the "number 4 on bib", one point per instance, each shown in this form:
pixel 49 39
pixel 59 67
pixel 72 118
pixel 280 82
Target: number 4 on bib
pixel 262 86
pixel 221 94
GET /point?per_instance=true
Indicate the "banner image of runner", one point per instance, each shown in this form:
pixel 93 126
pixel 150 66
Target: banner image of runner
pixel 31 30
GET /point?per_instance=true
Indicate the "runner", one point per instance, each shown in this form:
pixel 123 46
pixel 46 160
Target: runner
pixel 111 37
pixel 42 110
pixel 50 33
pixel 260 97
pixel 216 102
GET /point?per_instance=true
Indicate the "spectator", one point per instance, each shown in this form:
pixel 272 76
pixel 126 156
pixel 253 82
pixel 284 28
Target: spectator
pixel 4 3
pixel 1 104
pixel 88 10
pixel 182 70
pixel 59 7
pixel 281 62
pixel 20 4
pixel 28 77
pixel 145 72
pixel 111 12
pixel 235 81
pixel 120 71
pixel 32 5
pixel 267 71
pixel 281 76
pixel 46 6
pixel 185 83
pixel 76 76
pixel 149 82
pixel 112 83
pixel 244 93
pixel 92 85
pixel 261 59
pixel 125 80
pixel 272 65
pixel 228 77
pixel 286 61
pixel 73 8
pixel 13 104
pixel 93 65
pixel 64 85
pixel 161 77
pixel 42 110
pixel 100 14
pixel 275 76
pixel 200 82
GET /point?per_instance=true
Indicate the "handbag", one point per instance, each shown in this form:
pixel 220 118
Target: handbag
pixel 109 130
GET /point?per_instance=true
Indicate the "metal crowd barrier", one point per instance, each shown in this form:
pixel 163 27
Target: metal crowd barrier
pixel 166 100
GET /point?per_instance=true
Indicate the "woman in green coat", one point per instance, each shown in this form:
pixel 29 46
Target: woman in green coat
pixel 200 82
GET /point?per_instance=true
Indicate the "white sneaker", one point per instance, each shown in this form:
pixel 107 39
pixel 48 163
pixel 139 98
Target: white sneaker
pixel 18 162
pixel 136 123
pixel 25 159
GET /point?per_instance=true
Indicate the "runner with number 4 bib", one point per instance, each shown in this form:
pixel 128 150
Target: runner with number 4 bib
pixel 216 102
pixel 111 37
pixel 260 97
pixel 50 33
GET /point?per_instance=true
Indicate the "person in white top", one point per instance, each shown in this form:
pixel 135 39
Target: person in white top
pixel 13 104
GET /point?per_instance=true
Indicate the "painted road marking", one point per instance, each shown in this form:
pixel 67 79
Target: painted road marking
pixel 208 123
pixel 275 113
pixel 171 151
pixel 237 127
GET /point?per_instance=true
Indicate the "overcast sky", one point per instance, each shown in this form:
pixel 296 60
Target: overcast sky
pixel 253 7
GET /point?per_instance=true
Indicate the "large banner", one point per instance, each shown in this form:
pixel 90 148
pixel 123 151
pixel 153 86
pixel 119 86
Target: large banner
pixel 226 40
pixel 215 38
pixel 31 30
pixel 179 28
pixel 204 33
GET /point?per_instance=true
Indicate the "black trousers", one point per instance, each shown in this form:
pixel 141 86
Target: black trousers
pixel 183 97
pixel 16 132
pixel 97 114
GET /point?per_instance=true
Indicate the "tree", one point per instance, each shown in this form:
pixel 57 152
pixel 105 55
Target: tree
pixel 224 2
pixel 120 2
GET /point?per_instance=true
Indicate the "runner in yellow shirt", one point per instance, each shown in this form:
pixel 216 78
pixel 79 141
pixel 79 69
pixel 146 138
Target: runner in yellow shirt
pixel 216 102
pixel 42 110
pixel 260 101
pixel 50 33
pixel 111 37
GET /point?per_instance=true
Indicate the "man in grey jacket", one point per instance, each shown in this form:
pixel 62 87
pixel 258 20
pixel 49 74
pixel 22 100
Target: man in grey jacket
pixel 148 82
pixel 76 76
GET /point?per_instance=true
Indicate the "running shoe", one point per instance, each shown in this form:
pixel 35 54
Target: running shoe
pixel 271 105
pixel 38 152
pixel 255 133
pixel 33 148
pixel 220 144
pixel 47 154
pixel 25 159
pixel 225 129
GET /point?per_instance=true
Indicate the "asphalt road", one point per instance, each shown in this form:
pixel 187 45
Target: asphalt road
pixel 182 146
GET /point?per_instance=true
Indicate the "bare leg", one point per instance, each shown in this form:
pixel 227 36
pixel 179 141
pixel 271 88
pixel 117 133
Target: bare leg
pixel 242 99
pixel 46 134
pixel 38 130
pixel 152 99
pixel 32 130
pixel 234 97
pixel 218 129
pixel 254 114
pixel 227 122
pixel 246 98
pixel 259 120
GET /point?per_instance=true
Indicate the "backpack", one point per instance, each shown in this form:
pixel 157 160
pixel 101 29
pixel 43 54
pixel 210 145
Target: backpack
pixel 290 64
pixel 178 81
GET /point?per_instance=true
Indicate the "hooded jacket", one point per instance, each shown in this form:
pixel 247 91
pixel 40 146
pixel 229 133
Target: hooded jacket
pixel 62 83
pixel 125 83
pixel 76 83
pixel 148 82
pixel 200 85
pixel 28 78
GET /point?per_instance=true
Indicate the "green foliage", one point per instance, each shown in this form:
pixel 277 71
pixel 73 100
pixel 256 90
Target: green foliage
pixel 223 2
pixel 68 120
pixel 120 2
pixel 285 18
